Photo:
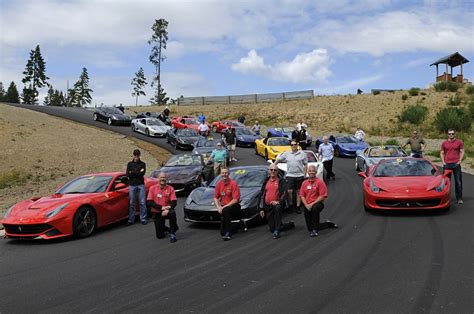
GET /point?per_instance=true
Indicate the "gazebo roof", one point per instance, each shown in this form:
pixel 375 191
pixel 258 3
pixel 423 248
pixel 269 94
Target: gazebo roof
pixel 452 60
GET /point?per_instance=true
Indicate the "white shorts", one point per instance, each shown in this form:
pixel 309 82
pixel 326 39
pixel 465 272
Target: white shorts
pixel 231 147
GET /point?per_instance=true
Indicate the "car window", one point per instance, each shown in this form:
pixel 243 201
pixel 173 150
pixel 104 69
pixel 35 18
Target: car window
pixel 243 131
pixel 311 157
pixel 279 141
pixel 186 132
pixel 404 167
pixel 184 160
pixel 86 184
pixel 155 122
pixel 191 122
pixel 346 139
pixel 245 178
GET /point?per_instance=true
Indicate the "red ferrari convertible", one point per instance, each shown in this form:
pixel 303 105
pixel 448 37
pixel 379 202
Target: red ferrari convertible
pixel 221 126
pixel 406 184
pixel 77 208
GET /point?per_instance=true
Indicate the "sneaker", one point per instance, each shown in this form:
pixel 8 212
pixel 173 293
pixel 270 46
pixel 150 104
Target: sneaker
pixel 460 202
pixel 129 223
pixel 234 159
pixel 331 224
pixel 144 222
pixel 313 234
pixel 173 238
pixel 276 234
pixel 227 237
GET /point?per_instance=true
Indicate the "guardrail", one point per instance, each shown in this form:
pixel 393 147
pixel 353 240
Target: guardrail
pixel 245 99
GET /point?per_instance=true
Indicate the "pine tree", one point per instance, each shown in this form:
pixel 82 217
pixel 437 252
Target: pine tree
pixel 82 90
pixel 71 100
pixel 49 96
pixel 163 100
pixel 2 92
pixel 138 82
pixel 35 76
pixel 12 95
pixel 158 41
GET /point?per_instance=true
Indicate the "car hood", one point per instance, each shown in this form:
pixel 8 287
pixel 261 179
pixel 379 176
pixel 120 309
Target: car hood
pixel 203 150
pixel 181 173
pixel 353 146
pixel 248 138
pixel 205 196
pixel 120 116
pixel 279 149
pixel 189 140
pixel 160 128
pixel 407 184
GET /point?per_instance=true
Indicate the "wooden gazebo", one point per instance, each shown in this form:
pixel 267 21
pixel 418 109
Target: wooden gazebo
pixel 452 61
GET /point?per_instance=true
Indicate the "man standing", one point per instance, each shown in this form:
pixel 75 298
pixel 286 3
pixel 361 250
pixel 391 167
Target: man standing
pixel 417 144
pixel 166 112
pixel 256 128
pixel 162 201
pixel 242 118
pixel 359 134
pixel 295 135
pixel 313 193
pixel 226 199
pixel 272 200
pixel 230 139
pixel 296 168
pixel 452 153
pixel 303 137
pixel 136 170
pixel 218 157
pixel 203 129
pixel 327 152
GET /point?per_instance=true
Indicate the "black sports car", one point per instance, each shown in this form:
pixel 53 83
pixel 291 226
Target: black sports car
pixel 112 115
pixel 199 206
pixel 246 137
pixel 185 172
pixel 205 146
pixel 182 138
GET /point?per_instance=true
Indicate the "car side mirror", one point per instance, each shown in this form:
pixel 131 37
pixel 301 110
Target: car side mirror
pixel 120 186
pixel 362 174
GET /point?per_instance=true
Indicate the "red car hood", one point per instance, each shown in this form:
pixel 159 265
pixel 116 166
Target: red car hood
pixel 33 207
pixel 402 184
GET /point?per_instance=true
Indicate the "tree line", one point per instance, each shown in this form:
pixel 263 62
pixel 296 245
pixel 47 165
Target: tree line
pixel 35 78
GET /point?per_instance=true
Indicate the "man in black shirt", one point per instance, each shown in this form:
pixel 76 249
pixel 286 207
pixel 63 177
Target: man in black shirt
pixel 231 142
pixel 136 171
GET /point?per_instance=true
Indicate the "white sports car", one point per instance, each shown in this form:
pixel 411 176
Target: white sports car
pixel 313 159
pixel 150 127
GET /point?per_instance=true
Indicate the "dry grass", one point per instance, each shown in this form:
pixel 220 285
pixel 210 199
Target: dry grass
pixel 40 152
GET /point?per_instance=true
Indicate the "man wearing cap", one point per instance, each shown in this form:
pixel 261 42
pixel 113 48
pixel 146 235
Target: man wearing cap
pixel 136 170
pixel 218 157
pixel 226 199
pixel 313 193
pixel 296 168
pixel 162 201
pixel 417 144
pixel 272 200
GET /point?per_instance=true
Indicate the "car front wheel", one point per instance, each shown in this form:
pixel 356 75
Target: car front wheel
pixel 84 222
pixel 147 132
pixel 337 152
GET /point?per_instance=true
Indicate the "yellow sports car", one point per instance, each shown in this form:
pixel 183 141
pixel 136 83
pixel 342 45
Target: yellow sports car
pixel 271 147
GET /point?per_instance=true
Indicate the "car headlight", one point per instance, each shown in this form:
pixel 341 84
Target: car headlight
pixel 441 186
pixel 188 201
pixel 373 187
pixel 7 213
pixel 56 211
pixel 114 117
pixel 240 138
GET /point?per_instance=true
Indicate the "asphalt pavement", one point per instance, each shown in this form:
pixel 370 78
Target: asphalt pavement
pixel 374 263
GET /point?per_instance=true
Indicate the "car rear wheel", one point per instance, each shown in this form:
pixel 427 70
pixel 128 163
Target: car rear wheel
pixel 266 154
pixel 84 222
pixel 147 132
pixel 95 117
pixel 214 129
pixel 337 153
pixel 109 122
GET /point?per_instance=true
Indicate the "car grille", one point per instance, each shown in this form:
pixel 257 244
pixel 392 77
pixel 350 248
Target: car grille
pixel 27 229
pixel 408 203
pixel 204 216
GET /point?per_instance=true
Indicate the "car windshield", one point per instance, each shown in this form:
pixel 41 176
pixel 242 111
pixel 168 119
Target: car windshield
pixel 287 130
pixel 184 160
pixel 311 157
pixel 205 143
pixel 87 184
pixel 113 110
pixel 186 132
pixel 404 168
pixel 279 141
pixel 346 139
pixel 191 121
pixel 155 122
pixel 243 131
pixel 245 178
pixel 387 152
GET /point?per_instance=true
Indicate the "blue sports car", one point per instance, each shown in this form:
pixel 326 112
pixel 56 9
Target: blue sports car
pixel 287 132
pixel 246 137
pixel 344 145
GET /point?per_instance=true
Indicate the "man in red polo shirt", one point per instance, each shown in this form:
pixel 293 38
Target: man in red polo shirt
pixel 452 153
pixel 272 200
pixel 162 201
pixel 313 192
pixel 226 199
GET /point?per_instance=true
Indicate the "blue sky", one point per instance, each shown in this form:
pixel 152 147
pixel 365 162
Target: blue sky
pixel 237 47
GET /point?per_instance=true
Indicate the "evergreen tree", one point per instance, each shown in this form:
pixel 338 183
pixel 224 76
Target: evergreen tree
pixel 138 82
pixel 12 95
pixel 35 76
pixel 71 100
pixel 163 100
pixel 158 41
pixel 2 92
pixel 82 90
pixel 49 96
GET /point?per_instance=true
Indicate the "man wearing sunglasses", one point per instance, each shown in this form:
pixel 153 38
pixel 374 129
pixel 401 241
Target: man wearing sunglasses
pixel 272 200
pixel 296 168
pixel 452 153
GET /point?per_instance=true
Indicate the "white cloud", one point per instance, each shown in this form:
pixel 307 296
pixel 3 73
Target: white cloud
pixel 311 67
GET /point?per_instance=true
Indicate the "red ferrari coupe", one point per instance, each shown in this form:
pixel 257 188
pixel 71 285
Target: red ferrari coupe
pixel 187 122
pixel 221 126
pixel 77 208
pixel 406 184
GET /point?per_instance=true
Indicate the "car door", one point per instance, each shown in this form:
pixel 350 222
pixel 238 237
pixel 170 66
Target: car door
pixel 114 206
pixel 142 125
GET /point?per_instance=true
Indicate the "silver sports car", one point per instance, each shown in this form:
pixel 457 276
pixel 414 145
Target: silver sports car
pixel 150 127
pixel 373 154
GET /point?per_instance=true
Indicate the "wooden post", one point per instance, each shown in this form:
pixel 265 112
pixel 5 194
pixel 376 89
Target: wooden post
pixel 461 67
pixel 446 73
pixel 437 73
pixel 203 101
pixel 229 100
pixel 256 98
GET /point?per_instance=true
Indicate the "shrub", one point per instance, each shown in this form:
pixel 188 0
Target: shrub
pixel 446 86
pixel 470 106
pixel 470 90
pixel 414 114
pixel 452 117
pixel 414 91
pixel 391 141
pixel 404 97
pixel 423 94
pixel 454 101
pixel 453 87
pixel 375 92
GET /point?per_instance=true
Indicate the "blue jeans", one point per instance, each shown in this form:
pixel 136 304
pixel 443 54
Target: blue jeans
pixel 457 173
pixel 132 192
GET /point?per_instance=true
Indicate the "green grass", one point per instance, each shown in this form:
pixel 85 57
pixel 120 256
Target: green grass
pixel 391 141
pixel 12 178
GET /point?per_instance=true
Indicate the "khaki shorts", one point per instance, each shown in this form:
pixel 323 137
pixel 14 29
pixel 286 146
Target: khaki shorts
pixel 231 147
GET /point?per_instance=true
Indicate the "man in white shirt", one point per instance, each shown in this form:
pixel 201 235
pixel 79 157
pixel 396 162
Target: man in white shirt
pixel 326 151
pixel 359 134
pixel 203 129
